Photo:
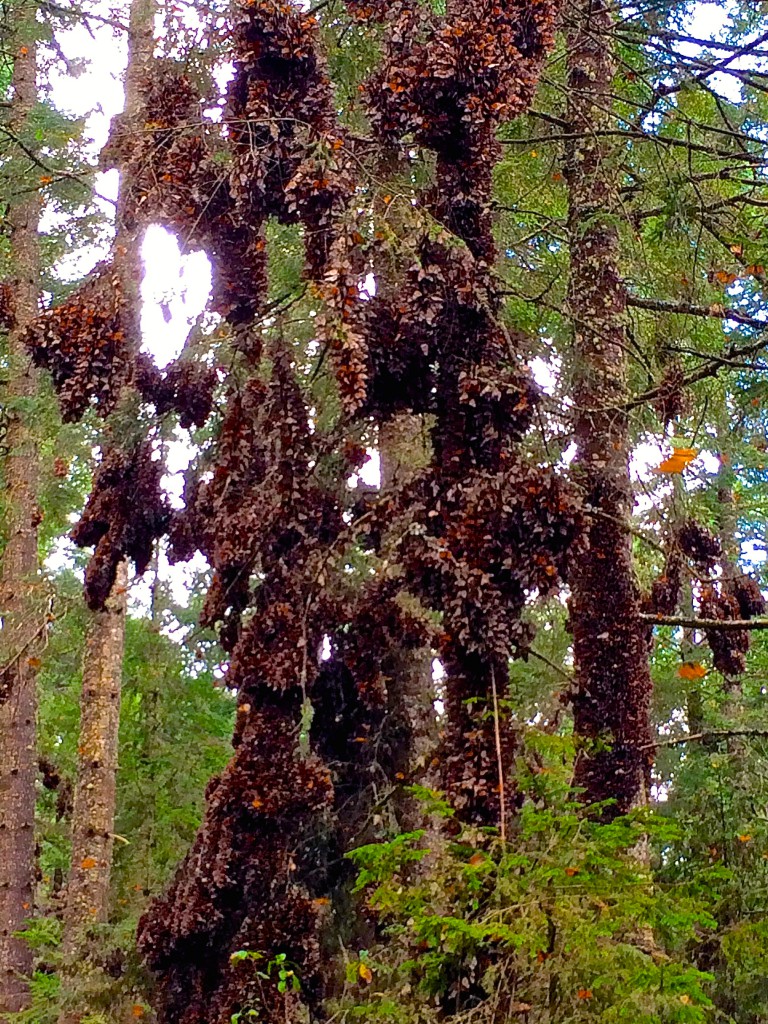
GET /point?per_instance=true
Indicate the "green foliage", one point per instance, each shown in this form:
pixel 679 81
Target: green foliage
pixel 565 919
pixel 175 730
pixel 175 727
pixel 278 969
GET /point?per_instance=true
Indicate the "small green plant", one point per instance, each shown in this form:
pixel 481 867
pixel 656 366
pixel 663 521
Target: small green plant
pixel 278 970
pixel 360 969
pixel 242 1015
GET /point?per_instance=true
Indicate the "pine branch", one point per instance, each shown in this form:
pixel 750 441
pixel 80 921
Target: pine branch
pixel 721 66
pixel 640 39
pixel 709 734
pixel 709 368
pixel 642 136
pixel 687 309
pixel 691 622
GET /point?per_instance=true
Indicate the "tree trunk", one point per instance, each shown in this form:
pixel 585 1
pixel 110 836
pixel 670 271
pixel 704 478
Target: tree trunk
pixel 611 705
pixel 94 808
pixel 128 229
pixel 727 521
pixel 404 450
pixel 87 899
pixel 20 610
pixel 93 815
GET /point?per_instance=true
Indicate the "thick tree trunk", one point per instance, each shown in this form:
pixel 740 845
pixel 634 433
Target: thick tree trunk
pixel 94 808
pixel 20 610
pixel 93 815
pixel 87 900
pixel 611 705
pixel 404 450
pixel 128 228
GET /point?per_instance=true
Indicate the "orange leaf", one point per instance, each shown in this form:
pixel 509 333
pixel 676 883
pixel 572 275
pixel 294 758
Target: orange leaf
pixel 677 461
pixel 88 862
pixel 725 277
pixel 691 670
pixel 671 465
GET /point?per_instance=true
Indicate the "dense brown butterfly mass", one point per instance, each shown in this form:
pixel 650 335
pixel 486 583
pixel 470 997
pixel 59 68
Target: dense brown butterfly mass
pixel 723 595
pixel 125 513
pixel 472 537
pixel 82 343
pixel 90 341
pixel 700 545
pixel 665 591
pixel 270 521
pixel 485 528
pixel 735 596
pixel 670 401
pixel 183 387
pixel 448 84
pixel 241 886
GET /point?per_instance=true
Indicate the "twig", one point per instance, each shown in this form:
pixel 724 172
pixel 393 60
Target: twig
pixel 716 311
pixel 553 665
pixel 693 623
pixel 499 759
pixel 709 734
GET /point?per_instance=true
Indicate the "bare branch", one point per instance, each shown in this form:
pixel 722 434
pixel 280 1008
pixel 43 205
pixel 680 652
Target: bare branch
pixel 709 734
pixel 686 309
pixel 690 622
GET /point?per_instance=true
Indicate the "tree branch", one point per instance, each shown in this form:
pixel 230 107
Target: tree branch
pixel 690 622
pixel 709 734
pixel 708 369
pixel 686 309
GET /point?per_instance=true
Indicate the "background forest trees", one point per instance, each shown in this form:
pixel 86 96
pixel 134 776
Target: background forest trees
pixel 479 384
